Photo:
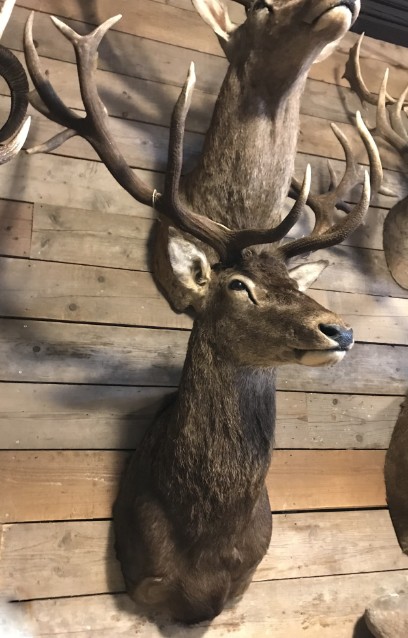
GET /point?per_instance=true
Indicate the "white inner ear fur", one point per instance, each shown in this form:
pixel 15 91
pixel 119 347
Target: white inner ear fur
pixel 306 274
pixel 214 13
pixel 189 263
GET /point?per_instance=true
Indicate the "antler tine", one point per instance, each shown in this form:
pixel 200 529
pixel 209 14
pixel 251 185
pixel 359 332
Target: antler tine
pixel 383 126
pixel 11 148
pixel 354 76
pixel 350 176
pixel 94 127
pixel 226 242
pixel 203 228
pixel 334 235
pixel 52 105
pixel 395 112
pixel 323 234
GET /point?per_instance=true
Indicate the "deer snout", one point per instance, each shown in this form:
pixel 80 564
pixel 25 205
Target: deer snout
pixel 341 335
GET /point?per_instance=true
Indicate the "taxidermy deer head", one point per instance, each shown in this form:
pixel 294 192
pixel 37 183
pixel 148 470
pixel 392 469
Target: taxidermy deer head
pixel 192 519
pixel 243 175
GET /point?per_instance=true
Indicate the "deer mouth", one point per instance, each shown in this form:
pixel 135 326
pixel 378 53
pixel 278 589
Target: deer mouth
pixel 319 18
pixel 317 358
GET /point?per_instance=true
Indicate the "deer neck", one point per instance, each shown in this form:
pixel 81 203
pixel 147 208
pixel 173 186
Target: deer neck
pixel 220 439
pixel 248 158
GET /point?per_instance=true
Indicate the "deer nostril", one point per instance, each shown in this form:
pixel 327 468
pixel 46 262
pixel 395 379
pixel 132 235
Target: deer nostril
pixel 342 336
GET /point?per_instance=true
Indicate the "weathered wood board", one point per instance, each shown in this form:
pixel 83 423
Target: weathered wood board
pixel 76 558
pixel 328 607
pixel 66 485
pixel 53 416
pixel 53 352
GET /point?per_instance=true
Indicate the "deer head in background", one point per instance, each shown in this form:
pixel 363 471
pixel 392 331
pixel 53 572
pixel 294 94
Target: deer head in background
pixel 243 175
pixel 15 130
pixel 391 126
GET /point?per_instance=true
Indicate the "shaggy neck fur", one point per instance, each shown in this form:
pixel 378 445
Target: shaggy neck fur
pixel 252 137
pixel 219 443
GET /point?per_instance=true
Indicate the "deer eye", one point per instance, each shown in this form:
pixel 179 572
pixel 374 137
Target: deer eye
pixel 261 4
pixel 237 284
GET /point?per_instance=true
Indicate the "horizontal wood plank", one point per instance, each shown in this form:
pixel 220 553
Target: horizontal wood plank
pixel 66 292
pixel 50 560
pixel 154 20
pixel 15 228
pixel 52 485
pixel 98 238
pixel 328 607
pixel 36 351
pixel 48 416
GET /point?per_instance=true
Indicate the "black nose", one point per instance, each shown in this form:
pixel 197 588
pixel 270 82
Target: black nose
pixel 342 336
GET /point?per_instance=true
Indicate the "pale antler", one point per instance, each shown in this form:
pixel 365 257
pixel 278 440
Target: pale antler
pixel 324 234
pixel 354 76
pixel 390 119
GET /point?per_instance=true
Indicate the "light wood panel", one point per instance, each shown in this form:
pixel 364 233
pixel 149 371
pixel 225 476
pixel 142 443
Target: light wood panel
pixel 158 21
pixel 328 607
pixel 43 352
pixel 48 416
pixel 67 292
pixel 51 560
pixel 90 237
pixel 15 228
pixel 108 239
pixel 51 485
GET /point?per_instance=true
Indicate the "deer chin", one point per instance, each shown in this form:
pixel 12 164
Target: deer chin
pixel 316 358
pixel 336 20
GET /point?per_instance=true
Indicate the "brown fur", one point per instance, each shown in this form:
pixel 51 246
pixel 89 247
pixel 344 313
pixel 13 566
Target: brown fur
pixel 192 518
pixel 396 478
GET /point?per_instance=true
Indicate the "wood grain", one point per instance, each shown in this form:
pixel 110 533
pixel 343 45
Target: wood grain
pixel 67 292
pixel 66 485
pixel 15 228
pixel 52 352
pixel 164 23
pixel 52 416
pixel 51 560
pixel 329 607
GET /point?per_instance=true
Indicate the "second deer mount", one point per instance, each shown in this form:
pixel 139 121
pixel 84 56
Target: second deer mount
pixel 392 128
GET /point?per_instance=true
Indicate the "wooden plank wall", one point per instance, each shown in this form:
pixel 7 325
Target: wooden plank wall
pixel 88 348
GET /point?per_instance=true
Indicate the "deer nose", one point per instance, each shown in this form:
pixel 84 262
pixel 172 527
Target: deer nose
pixel 342 336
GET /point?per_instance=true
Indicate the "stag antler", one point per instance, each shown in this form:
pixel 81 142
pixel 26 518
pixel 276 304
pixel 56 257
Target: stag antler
pixel 390 119
pixel 93 127
pixel 324 234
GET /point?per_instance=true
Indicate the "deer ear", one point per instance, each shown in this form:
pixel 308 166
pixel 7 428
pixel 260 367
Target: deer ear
pixel 190 266
pixel 214 13
pixel 306 274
